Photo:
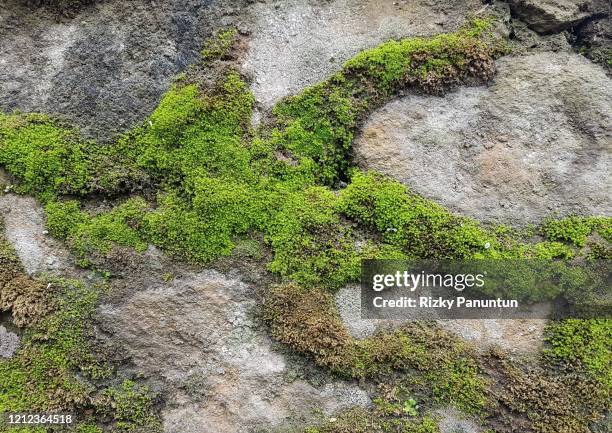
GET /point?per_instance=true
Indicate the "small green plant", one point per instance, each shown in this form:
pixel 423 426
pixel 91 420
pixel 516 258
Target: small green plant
pixel 219 45
pixel 585 342
pixel 132 408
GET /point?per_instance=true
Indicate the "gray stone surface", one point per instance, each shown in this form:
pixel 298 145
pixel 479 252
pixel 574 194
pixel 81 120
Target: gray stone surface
pixel 549 16
pixel 536 142
pixel 106 68
pixel 452 421
pixel 196 340
pixel 24 227
pixel 9 342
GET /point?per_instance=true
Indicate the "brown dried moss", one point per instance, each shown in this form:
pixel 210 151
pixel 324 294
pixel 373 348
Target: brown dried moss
pixel 26 298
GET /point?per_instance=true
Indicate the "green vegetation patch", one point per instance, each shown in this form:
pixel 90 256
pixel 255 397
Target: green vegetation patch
pixel 213 181
pixel 219 45
pixel 582 344
pixel 317 126
pixel 576 229
pixel 58 365
pixel 91 235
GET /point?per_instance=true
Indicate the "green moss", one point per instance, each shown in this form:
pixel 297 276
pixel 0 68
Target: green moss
pixel 95 235
pixel 180 229
pixel 132 408
pixel 417 226
pixel 576 229
pixel 586 342
pixel 219 45
pixel 550 400
pixel 51 159
pixel 46 157
pixel 40 376
pixel 317 126
pixel 311 246
pixel 445 56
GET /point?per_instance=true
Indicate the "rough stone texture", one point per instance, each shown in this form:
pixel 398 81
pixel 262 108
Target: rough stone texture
pixel 520 336
pixel 594 36
pixel 9 342
pixel 24 228
pixel 538 141
pixel 452 421
pixel 348 302
pixel 106 68
pixel 550 16
pixel 298 43
pixel 195 339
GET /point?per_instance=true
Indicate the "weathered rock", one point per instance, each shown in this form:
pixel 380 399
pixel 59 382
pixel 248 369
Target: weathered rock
pixel 537 141
pixel 9 342
pixel 550 16
pixel 298 43
pixel 197 343
pixel 348 302
pixel 594 36
pixel 24 226
pixel 106 68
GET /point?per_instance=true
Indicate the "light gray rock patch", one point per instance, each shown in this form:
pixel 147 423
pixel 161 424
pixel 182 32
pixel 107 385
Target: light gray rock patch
pixel 9 342
pixel 24 228
pixel 348 302
pixel 536 142
pixel 452 421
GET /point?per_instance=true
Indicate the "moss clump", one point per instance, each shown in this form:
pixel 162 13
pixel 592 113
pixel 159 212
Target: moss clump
pixel 219 45
pixel 549 400
pixel 438 366
pixel 95 235
pixel 47 158
pixel 582 344
pixel 51 159
pixel 131 406
pixel 576 229
pixel 40 376
pixel 318 125
pixel 311 245
pixel 417 226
